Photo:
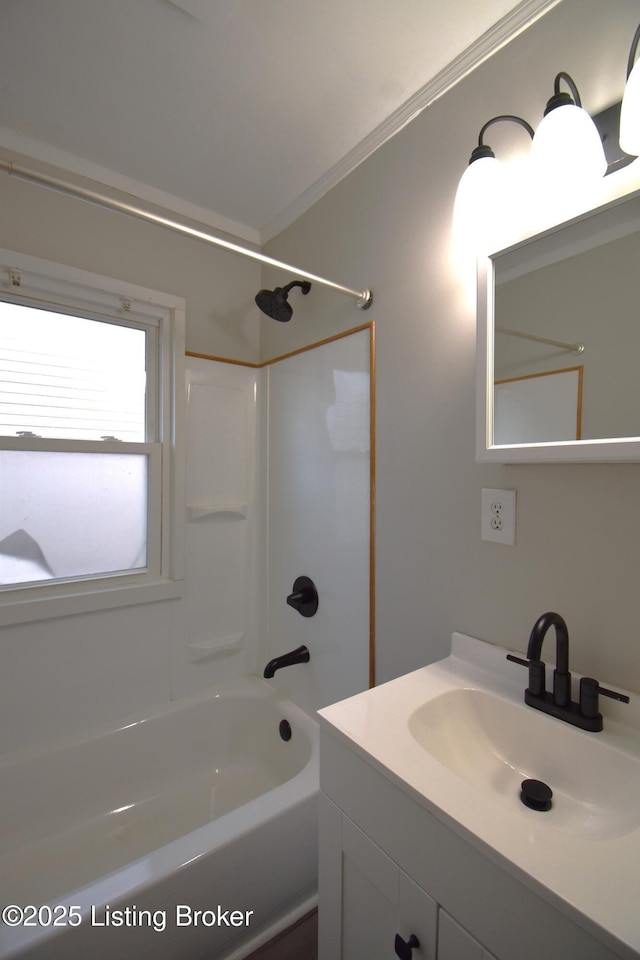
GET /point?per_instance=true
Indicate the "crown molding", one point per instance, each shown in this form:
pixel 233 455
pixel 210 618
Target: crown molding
pixel 512 24
pixel 501 33
pixel 70 163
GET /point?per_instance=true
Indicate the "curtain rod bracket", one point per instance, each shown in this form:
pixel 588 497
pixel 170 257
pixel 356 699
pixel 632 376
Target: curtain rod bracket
pixel 365 300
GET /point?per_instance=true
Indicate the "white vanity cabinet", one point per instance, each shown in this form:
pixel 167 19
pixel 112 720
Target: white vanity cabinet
pixel 454 943
pixel 389 866
pixel 368 901
pixel 366 898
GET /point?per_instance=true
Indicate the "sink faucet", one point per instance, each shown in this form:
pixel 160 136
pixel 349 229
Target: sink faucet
pixel 583 714
pixel 561 675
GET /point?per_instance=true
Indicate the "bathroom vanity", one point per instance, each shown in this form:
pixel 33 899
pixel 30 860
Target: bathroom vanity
pixel 423 834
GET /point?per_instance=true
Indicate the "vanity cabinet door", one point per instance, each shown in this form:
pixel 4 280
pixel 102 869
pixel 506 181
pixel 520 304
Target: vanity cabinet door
pixel 366 899
pixel 454 943
pixel 418 915
pixel 369 898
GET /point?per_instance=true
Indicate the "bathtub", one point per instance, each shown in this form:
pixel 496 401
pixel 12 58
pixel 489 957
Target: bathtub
pixel 190 832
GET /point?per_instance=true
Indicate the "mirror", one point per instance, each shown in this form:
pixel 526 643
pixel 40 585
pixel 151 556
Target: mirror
pixel 559 342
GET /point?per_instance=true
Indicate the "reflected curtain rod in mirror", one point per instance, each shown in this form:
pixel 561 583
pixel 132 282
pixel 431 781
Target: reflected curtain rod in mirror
pixel 576 348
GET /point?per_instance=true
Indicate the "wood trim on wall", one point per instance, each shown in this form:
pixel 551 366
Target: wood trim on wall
pixel 547 373
pixel 209 356
pixel 284 356
pixel 372 504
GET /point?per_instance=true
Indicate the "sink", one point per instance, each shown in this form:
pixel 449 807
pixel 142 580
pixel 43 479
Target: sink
pixel 457 737
pixel 494 743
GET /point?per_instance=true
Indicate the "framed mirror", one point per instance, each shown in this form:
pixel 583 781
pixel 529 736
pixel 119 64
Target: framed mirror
pixel 558 362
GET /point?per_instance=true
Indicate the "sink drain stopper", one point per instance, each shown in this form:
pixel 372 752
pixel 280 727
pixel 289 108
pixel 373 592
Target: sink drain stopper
pixel 285 730
pixel 536 794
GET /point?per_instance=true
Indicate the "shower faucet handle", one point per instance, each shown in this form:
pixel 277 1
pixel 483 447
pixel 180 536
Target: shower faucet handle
pixel 304 598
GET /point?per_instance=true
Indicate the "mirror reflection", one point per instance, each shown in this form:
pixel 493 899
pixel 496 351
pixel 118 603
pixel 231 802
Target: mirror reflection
pixel 567 331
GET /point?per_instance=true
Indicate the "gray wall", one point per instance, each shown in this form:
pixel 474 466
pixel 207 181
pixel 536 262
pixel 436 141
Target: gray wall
pixel 387 226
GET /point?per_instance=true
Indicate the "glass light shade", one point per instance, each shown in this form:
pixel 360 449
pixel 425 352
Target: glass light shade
pixel 567 148
pixel 482 204
pixel 630 114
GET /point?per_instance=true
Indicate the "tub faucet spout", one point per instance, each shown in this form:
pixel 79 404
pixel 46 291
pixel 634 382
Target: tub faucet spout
pixel 299 655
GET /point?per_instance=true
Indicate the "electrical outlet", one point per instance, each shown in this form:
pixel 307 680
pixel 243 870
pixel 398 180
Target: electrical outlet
pixel 499 516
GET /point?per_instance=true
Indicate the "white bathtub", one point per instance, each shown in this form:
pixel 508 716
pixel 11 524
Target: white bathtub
pixel 110 844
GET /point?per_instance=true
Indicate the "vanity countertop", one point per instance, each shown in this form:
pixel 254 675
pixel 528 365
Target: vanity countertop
pixel 582 856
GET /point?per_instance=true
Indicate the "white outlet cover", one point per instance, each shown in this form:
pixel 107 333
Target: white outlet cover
pixel 502 504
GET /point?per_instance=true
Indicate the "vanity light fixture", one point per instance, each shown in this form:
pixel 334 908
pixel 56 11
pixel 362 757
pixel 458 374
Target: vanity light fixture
pixel 567 147
pixel 483 194
pixel 567 156
pixel 630 111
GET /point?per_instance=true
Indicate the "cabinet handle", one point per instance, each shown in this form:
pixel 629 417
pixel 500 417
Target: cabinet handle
pixel 403 948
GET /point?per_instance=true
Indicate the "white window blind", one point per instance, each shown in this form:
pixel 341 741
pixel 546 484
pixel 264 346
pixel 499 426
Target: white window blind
pixel 70 377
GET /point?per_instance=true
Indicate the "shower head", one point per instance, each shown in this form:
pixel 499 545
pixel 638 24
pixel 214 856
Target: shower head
pixel 275 302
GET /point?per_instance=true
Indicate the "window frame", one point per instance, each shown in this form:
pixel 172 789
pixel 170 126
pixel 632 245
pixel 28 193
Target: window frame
pixel 31 281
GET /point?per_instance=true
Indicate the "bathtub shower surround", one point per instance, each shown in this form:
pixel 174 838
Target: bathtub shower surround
pixel 319 516
pixel 278 485
pixel 221 638
pixel 159 838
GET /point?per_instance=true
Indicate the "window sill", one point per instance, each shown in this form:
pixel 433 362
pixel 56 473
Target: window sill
pixel 43 604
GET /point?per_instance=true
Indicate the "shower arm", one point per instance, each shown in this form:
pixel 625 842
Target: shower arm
pixel 363 298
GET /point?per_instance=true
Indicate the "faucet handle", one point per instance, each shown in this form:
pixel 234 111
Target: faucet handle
pixel 590 690
pixel 614 695
pixel 304 598
pixel 520 660
pixel 537 674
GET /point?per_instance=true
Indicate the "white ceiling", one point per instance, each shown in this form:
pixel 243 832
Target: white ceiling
pixel 238 112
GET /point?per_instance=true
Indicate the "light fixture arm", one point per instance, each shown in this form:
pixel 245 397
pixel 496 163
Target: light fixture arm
pixel 504 116
pixel 483 149
pixel 562 98
pixel 633 51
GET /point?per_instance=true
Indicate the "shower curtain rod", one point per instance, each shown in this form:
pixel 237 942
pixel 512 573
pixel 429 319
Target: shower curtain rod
pixel 364 298
pixel 576 348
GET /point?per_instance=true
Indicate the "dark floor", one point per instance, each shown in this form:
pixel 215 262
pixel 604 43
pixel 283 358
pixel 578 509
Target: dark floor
pixel 298 942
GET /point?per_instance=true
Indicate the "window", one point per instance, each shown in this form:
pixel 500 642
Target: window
pixel 90 474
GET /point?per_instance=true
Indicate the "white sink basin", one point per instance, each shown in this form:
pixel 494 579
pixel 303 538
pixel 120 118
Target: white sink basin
pixel 458 737
pixel 494 744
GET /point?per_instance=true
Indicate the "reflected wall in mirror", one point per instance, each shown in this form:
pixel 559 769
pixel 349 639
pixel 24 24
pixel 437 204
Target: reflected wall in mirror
pixel 538 407
pixel 570 292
